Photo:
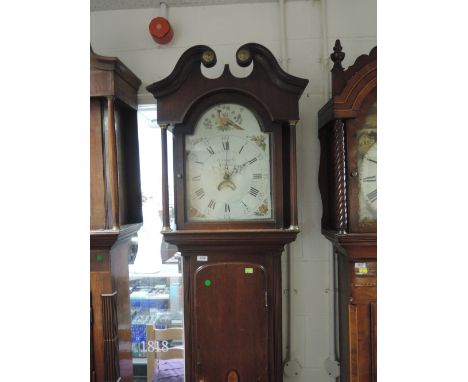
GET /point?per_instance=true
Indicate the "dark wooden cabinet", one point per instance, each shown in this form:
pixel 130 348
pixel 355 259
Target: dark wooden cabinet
pixel 348 186
pixel 115 214
pixel 236 207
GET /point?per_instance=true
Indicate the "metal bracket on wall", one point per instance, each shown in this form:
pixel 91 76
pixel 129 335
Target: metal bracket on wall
pixel 292 368
pixel 332 367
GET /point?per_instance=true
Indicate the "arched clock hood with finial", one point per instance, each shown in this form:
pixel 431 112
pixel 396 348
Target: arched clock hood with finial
pixel 279 91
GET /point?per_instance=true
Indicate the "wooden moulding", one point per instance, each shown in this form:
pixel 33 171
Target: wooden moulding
pixel 354 245
pixel 110 336
pixel 293 176
pixel 110 77
pixel 243 239
pixel 339 170
pixel 165 182
pixel 350 87
pixel 279 92
pixel 105 239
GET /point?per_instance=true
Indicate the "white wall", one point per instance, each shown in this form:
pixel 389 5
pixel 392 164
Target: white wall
pixel 224 28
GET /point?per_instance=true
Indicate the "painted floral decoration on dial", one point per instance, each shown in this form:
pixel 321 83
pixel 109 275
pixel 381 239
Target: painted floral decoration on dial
pixel 228 167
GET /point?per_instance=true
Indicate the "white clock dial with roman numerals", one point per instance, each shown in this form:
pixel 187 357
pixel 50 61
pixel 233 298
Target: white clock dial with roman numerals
pixel 227 166
pixel 368 184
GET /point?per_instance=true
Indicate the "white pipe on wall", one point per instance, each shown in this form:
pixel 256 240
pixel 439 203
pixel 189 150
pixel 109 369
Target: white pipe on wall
pixel 283 40
pixel 325 54
pixel 283 63
pixel 163 6
pixel 331 362
pixel 283 60
pixel 291 367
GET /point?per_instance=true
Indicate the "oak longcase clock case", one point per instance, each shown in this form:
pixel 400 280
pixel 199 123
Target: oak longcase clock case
pixel 348 186
pixel 236 207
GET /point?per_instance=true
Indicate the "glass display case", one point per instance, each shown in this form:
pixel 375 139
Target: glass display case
pixel 155 299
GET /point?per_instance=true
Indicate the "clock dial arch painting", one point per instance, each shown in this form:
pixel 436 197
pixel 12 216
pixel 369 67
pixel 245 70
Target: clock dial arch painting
pixel 228 166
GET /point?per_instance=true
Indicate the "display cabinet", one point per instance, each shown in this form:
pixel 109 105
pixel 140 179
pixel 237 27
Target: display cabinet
pixel 115 215
pixel 155 299
pixel 348 186
pixel 156 302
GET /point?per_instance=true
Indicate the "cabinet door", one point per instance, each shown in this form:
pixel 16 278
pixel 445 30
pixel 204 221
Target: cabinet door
pixel 231 324
pixel 363 341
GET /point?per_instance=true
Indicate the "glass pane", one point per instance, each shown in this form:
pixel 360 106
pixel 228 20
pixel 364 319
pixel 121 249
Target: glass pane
pixel 228 170
pixel 156 290
pixel 367 165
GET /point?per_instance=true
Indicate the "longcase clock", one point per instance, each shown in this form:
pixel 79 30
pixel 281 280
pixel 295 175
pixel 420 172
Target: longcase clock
pixel 348 186
pixel 236 209
pixel 116 215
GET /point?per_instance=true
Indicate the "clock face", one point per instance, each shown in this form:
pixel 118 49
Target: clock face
pixel 228 170
pixel 367 168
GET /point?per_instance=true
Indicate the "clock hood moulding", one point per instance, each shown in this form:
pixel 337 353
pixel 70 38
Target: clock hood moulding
pixel 110 77
pixel 187 74
pixel 350 87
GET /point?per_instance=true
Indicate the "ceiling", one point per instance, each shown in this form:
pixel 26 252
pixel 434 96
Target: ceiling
pixel 108 5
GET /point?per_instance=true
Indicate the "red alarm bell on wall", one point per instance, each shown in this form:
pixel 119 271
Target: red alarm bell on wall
pixel 161 30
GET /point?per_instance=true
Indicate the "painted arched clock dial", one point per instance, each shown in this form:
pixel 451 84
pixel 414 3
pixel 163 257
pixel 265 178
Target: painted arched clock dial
pixel 228 170
pixel 367 168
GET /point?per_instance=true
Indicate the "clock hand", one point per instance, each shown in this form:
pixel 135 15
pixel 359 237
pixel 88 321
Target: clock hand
pixel 238 168
pixel 241 167
pixel 226 168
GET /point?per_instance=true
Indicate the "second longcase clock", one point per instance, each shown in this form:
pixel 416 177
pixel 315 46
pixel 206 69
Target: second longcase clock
pixel 235 196
pixel 348 186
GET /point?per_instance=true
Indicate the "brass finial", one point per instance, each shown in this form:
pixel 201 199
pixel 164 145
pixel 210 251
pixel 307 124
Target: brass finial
pixel 208 57
pixel 243 55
